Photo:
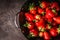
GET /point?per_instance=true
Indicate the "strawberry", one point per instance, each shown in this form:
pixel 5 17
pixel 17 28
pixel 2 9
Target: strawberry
pixel 29 25
pixel 57 19
pixel 49 14
pixel 40 11
pixel 46 36
pixel 33 32
pixel 54 23
pixel 32 8
pixel 40 25
pixel 44 4
pixel 41 34
pixel 37 17
pixel 53 32
pixel 49 20
pixel 55 5
pixel 29 17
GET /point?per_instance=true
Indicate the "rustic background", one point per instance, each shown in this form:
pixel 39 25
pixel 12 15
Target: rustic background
pixel 8 10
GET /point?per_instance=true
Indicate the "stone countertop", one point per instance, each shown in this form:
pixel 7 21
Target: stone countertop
pixel 8 10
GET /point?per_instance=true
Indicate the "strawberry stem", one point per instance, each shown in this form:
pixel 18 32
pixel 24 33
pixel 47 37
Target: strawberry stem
pixel 25 25
pixel 40 5
pixel 35 20
pixel 39 2
pixel 59 30
pixel 50 26
pixel 54 10
pixel 43 13
pixel 42 30
pixel 31 6
pixel 29 36
pixel 39 28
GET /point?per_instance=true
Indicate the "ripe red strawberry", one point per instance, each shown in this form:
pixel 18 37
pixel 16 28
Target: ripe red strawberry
pixel 29 17
pixel 33 32
pixel 49 14
pixel 55 5
pixel 40 11
pixel 52 10
pixel 40 25
pixel 57 19
pixel 53 32
pixel 41 34
pixel 47 9
pixel 43 4
pixel 46 36
pixel 50 20
pixel 37 17
pixel 40 22
pixel 32 9
pixel 54 23
pixel 29 25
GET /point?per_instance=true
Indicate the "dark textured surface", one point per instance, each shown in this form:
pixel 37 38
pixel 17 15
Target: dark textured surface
pixel 8 10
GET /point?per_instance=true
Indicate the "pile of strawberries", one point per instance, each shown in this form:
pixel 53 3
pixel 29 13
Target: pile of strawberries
pixel 43 20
